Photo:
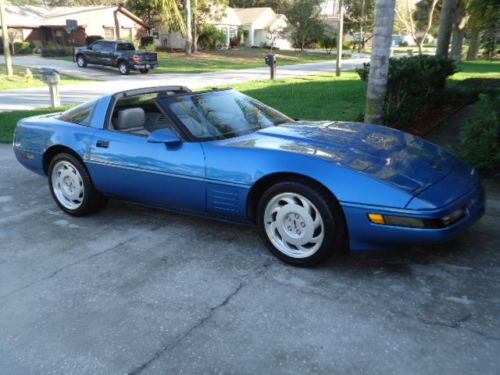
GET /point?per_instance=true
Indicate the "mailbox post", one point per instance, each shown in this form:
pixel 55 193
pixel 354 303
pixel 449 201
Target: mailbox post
pixel 51 78
pixel 271 61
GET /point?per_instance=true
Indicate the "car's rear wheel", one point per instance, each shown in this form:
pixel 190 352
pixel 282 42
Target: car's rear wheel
pixel 144 71
pixel 71 186
pixel 300 224
pixel 81 61
pixel 123 68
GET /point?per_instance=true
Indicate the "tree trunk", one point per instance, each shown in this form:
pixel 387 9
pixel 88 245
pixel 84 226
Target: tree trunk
pixel 446 21
pixel 457 43
pixel 5 34
pixel 379 62
pixel 189 32
pixel 473 45
pixel 195 29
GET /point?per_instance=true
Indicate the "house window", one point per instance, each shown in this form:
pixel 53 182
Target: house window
pixel 109 32
pixel 128 33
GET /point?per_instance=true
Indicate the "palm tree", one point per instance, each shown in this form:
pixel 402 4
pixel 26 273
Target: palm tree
pixel 379 62
pixel 171 16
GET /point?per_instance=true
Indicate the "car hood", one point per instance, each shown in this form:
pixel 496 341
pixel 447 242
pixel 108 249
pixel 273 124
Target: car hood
pixel 398 158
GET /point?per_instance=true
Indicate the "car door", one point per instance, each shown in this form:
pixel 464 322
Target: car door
pixel 106 53
pixel 130 167
pixel 92 55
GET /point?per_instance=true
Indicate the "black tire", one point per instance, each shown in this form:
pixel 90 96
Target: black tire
pixel 81 61
pixel 123 68
pixel 92 200
pixel 334 235
pixel 144 71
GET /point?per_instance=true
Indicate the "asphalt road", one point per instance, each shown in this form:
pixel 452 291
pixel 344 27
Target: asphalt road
pixel 79 93
pixel 135 290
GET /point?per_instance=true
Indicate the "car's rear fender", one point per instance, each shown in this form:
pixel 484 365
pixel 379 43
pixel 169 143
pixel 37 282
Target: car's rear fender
pixel 37 137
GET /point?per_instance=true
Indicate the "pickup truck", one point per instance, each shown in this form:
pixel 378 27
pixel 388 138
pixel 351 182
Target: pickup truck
pixel 117 53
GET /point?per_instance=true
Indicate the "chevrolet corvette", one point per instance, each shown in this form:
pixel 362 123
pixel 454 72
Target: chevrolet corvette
pixel 313 188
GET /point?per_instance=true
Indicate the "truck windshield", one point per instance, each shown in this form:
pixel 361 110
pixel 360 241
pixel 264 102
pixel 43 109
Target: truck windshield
pixel 125 47
pixel 223 114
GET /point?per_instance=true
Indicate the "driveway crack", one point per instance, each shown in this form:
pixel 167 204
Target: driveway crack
pixel 59 270
pixel 246 280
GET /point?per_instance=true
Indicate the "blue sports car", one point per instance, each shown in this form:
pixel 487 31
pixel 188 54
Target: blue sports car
pixel 312 188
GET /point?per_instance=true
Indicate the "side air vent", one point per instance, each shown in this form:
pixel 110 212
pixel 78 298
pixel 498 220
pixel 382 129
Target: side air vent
pixel 223 199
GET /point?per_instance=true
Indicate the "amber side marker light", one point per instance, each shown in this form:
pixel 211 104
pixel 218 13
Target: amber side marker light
pixel 376 218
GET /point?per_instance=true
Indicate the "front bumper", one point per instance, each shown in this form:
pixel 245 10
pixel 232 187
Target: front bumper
pixel 365 235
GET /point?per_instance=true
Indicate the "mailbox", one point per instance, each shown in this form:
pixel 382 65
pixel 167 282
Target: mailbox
pixel 50 76
pixel 271 61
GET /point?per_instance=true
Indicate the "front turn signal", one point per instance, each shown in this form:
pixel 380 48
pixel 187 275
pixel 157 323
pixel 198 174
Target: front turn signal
pixel 376 218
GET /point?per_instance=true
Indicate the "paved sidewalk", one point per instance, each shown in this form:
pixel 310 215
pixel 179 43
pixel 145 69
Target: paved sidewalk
pixel 39 97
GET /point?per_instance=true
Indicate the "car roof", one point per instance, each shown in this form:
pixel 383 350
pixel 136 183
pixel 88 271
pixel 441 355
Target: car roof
pixel 165 90
pixel 114 41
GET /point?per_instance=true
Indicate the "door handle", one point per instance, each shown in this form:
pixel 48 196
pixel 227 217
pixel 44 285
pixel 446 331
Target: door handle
pixel 102 143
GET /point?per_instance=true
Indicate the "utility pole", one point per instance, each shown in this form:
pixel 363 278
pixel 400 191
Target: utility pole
pixel 340 37
pixel 5 38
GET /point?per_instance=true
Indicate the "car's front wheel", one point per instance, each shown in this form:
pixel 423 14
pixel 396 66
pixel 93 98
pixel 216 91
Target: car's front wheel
pixel 300 224
pixel 71 186
pixel 81 61
pixel 123 68
pixel 144 71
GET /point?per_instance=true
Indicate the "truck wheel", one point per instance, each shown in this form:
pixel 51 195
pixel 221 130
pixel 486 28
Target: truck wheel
pixel 81 61
pixel 144 71
pixel 123 68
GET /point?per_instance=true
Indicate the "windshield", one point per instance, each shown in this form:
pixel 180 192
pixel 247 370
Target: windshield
pixel 223 114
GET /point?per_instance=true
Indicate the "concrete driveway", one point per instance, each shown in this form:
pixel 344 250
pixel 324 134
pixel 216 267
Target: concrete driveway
pixel 135 290
pixel 70 94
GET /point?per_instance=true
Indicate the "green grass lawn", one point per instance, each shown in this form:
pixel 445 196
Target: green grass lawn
pixel 213 61
pixel 8 120
pixel 216 61
pixel 20 82
pixel 477 69
pixel 321 97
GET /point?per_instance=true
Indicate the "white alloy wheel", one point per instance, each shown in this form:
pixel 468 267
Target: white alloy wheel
pixel 294 225
pixel 67 185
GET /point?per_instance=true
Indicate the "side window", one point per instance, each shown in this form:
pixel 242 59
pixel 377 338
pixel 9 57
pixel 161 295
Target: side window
pixel 81 115
pixel 107 47
pixel 125 47
pixel 127 117
pixel 97 46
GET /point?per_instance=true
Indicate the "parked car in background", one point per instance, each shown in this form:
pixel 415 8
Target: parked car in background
pixel 312 188
pixel 117 53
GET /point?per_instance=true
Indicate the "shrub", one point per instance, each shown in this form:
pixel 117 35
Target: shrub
pixel 56 51
pixel 146 41
pixel 211 37
pixel 414 84
pixel 328 43
pixel 403 44
pixel 24 48
pixel 20 48
pixel 480 136
pixel 89 39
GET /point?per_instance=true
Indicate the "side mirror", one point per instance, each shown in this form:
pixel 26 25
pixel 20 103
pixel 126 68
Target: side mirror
pixel 166 136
